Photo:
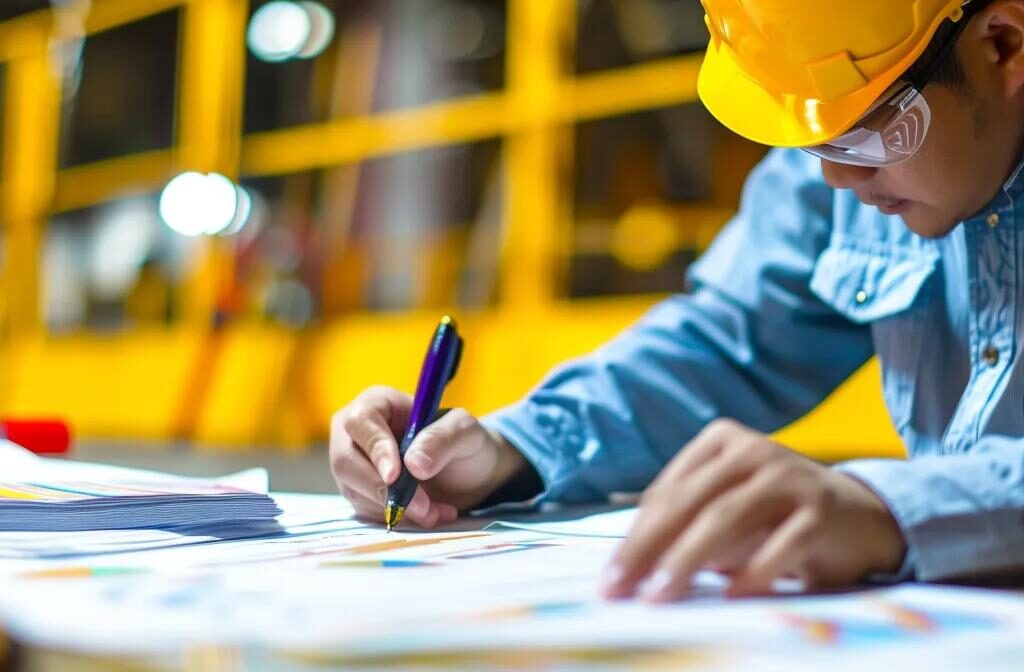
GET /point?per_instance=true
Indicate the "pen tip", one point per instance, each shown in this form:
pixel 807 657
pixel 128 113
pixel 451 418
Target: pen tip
pixel 392 515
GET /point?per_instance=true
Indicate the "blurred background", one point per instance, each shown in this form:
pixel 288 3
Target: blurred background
pixel 222 219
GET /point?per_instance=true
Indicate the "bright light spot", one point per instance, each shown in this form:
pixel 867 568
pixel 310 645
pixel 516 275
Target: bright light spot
pixel 243 212
pixel 126 233
pixel 280 30
pixel 194 204
pixel 321 32
pixel 645 237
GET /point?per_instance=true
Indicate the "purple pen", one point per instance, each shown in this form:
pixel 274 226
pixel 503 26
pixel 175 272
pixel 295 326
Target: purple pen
pixel 439 367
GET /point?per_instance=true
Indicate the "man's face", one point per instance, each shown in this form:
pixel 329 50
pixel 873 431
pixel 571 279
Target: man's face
pixel 973 144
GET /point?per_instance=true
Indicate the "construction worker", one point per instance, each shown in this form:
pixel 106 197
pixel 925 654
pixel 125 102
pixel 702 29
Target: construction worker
pixel 892 226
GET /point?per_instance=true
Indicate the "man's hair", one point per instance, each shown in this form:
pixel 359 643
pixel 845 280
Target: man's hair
pixel 950 71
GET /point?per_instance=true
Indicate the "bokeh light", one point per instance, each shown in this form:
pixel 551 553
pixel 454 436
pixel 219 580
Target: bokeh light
pixel 279 30
pixel 321 29
pixel 282 30
pixel 126 234
pixel 243 212
pixel 194 204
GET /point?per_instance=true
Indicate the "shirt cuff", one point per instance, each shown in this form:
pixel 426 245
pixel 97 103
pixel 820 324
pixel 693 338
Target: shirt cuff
pixel 547 436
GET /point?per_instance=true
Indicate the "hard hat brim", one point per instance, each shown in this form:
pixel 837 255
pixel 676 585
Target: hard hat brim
pixel 748 109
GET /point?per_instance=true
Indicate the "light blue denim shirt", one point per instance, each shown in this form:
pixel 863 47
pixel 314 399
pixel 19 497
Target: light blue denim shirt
pixel 802 288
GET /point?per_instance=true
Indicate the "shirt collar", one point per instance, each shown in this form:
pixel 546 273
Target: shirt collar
pixel 1014 184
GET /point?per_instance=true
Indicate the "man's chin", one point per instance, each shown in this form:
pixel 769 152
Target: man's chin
pixel 929 225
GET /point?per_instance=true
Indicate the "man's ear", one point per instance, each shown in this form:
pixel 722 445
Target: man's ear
pixel 1001 25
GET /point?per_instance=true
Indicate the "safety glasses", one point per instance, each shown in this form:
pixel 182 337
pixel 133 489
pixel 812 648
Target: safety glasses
pixel 893 131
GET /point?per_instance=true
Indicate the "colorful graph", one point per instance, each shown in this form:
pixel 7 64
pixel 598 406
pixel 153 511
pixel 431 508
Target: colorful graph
pixel 893 623
pixel 65 573
pixel 380 564
pixel 499 549
pixel 542 609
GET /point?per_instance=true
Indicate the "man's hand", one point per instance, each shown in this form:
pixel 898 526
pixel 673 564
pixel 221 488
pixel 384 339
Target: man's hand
pixel 737 502
pixel 458 461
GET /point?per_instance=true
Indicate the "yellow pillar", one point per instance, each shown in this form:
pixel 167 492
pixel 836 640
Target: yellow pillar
pixel 210 124
pixel 540 41
pixel 30 132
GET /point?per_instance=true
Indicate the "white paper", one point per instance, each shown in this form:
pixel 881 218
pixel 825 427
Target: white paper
pixel 611 524
pixel 351 592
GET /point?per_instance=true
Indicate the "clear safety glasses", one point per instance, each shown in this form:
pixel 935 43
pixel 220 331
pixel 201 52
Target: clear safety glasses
pixel 889 134
pixel 894 130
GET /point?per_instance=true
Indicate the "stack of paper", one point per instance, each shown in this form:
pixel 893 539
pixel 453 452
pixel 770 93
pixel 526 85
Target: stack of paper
pixel 53 496
pixel 84 505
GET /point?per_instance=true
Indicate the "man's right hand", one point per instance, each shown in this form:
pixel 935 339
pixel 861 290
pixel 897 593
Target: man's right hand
pixel 457 461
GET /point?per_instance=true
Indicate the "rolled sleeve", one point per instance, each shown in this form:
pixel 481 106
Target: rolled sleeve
pixel 751 342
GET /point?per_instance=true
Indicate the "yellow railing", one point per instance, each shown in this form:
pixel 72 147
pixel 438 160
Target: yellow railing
pixel 308 374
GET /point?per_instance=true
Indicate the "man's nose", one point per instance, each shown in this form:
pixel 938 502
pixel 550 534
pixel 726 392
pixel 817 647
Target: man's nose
pixel 845 176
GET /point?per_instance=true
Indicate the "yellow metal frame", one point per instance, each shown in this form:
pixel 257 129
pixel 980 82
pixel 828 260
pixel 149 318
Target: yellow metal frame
pixel 541 101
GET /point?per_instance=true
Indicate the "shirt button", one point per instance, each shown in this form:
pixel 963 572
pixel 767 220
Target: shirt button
pixel 862 297
pixel 990 355
pixel 993 220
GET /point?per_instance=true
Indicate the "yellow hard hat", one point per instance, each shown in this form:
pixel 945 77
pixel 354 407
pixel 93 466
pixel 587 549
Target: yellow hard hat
pixel 796 73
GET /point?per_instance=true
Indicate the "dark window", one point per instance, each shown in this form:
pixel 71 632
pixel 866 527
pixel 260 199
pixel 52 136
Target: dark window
pixel 122 100
pixel 385 54
pixel 651 189
pixel 617 33
pixel 12 8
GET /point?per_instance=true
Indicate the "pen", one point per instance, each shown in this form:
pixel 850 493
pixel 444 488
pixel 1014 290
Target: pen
pixel 439 367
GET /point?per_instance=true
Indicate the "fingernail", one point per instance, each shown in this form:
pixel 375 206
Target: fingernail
pixel 611 575
pixel 658 588
pixel 385 468
pixel 610 579
pixel 419 460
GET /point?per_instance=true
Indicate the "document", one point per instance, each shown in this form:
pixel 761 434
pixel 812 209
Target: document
pixel 54 497
pixel 354 595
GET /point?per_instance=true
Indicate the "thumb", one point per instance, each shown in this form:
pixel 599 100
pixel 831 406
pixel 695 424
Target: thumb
pixel 455 435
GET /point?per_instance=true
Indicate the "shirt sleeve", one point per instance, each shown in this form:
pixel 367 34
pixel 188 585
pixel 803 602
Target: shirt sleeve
pixel 960 514
pixel 751 342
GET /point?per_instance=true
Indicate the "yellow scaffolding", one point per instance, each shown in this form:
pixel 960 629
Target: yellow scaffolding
pixel 533 115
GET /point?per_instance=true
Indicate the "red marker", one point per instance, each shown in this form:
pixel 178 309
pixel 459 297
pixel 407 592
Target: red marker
pixel 41 436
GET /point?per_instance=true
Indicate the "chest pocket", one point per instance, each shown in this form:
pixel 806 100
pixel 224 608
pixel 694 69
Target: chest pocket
pixel 888 292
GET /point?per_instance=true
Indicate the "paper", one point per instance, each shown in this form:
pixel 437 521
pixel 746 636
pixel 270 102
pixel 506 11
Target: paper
pixel 350 590
pixel 610 524
pixel 304 515
pixel 48 495
pixel 355 595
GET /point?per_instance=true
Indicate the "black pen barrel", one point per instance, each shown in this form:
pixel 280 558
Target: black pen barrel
pixel 401 491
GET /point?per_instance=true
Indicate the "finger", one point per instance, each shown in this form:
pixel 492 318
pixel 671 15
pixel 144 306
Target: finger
pixel 365 509
pixel 367 425
pixel 446 513
pixel 454 436
pixel 353 471
pixel 435 513
pixel 783 553
pixel 703 448
pixel 425 512
pixel 736 557
pixel 663 519
pixel 724 524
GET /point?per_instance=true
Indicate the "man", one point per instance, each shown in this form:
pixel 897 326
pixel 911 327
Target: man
pixel 902 237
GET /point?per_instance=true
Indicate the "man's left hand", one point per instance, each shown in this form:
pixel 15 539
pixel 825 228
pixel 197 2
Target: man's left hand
pixel 735 501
